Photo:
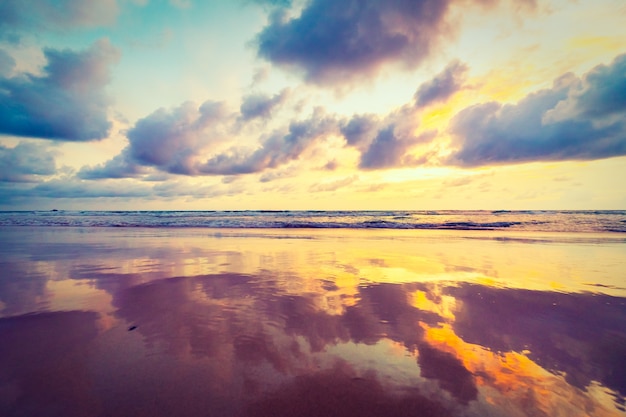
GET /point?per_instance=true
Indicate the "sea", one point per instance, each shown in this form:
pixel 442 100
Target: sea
pixel 313 313
pixel 584 221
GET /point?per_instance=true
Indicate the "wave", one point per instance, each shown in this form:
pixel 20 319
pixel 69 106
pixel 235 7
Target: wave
pixel 545 221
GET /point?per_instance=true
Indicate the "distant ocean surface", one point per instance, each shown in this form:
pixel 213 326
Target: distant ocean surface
pixel 527 221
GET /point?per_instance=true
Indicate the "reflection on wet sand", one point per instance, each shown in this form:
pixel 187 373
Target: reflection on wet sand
pixel 162 323
pixel 43 364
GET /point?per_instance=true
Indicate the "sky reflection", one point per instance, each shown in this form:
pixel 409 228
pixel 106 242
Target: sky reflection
pixel 158 323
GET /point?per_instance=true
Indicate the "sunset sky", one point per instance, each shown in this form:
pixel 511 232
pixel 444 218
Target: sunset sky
pixel 318 104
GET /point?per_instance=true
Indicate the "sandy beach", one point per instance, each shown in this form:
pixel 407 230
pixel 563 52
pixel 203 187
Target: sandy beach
pixel 312 208
pixel 201 322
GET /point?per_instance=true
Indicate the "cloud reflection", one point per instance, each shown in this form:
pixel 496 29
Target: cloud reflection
pixel 340 392
pixel 579 335
pixel 43 364
pixel 241 318
pixel 294 338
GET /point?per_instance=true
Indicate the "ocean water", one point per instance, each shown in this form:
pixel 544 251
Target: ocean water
pixel 248 314
pixel 530 221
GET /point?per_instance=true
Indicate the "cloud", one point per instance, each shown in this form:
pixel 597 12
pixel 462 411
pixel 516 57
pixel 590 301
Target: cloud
pixel 390 149
pixel 175 189
pixel 7 63
pixel 602 93
pixel 29 195
pixel 120 166
pixel 67 102
pixel 261 105
pixel 120 189
pixel 34 16
pixel 575 119
pixel 333 41
pixel 168 139
pixel 191 140
pixel 181 4
pixel 333 185
pixel 442 86
pixel 25 162
pixel 280 3
pixel 385 143
pixel 64 188
pixel 176 140
pixel 360 130
pixel 278 174
pixel 279 149
pixel 385 151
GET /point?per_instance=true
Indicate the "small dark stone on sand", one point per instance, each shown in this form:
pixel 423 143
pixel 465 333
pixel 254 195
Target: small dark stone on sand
pixel 131 328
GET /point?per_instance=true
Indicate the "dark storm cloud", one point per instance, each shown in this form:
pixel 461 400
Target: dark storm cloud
pixel 66 103
pixel 261 105
pixel 576 119
pixel 334 40
pixel 442 86
pixel 278 150
pixel 34 16
pixel 26 162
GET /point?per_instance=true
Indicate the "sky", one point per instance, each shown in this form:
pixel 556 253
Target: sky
pixel 312 104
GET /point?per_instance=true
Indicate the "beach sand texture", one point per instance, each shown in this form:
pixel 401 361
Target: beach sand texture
pixel 200 322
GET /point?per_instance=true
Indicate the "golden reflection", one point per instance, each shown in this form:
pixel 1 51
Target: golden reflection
pixel 443 306
pixel 69 295
pixel 512 379
pixel 349 258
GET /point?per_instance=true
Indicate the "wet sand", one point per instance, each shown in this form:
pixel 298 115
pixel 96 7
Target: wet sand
pixel 205 322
